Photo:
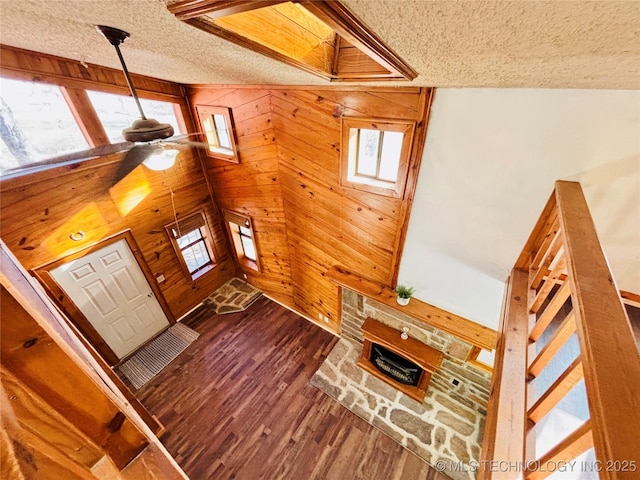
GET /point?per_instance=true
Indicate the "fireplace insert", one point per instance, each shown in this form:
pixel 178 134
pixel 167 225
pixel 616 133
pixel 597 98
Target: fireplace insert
pixel 394 366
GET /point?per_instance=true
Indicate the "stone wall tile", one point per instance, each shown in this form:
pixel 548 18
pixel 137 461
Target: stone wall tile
pixel 454 422
pixel 439 437
pixel 412 424
pixel 414 405
pixel 388 429
pixel 381 388
pixel 459 448
pixel 456 408
pixel 419 449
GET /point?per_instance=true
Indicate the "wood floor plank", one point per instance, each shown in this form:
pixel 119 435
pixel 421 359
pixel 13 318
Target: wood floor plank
pixel 237 404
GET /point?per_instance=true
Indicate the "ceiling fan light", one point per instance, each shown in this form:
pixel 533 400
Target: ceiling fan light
pixel 162 160
pixel 146 130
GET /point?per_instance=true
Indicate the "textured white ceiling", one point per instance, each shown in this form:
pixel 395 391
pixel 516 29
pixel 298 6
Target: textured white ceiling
pixel 490 162
pixel 572 44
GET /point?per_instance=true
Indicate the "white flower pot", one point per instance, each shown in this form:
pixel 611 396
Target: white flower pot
pixel 402 301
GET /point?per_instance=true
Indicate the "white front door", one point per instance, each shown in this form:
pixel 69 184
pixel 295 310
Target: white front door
pixel 110 289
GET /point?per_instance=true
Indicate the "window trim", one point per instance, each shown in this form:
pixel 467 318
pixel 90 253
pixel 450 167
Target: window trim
pixel 188 223
pixel 239 220
pixel 74 91
pixel 395 189
pixel 176 107
pixel 206 111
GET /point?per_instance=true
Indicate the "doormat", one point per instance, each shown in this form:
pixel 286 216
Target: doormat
pixel 147 362
pixel 234 296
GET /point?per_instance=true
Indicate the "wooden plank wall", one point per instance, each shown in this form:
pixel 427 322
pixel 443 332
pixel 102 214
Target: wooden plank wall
pixel 40 67
pixel 253 187
pixel 39 211
pixel 288 181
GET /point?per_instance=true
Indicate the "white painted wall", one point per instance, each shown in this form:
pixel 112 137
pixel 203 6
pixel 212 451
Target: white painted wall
pixel 490 161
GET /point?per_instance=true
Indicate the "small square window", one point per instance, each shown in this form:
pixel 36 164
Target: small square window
pixel 191 239
pixel 217 128
pixel 242 236
pixel 376 156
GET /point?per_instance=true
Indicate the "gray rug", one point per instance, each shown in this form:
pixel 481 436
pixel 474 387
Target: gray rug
pixel 147 362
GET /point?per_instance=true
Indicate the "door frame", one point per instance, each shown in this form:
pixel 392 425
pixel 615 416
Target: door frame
pixel 73 313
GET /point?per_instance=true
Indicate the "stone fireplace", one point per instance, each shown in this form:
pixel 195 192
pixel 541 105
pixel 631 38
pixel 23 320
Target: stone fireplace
pixel 403 363
pixel 447 425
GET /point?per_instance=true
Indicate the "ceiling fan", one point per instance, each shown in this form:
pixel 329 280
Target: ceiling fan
pixel 148 134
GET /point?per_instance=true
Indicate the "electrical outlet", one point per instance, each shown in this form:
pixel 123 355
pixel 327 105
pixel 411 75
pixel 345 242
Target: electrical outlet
pixel 319 316
pixel 160 278
pixel 326 320
pixel 455 381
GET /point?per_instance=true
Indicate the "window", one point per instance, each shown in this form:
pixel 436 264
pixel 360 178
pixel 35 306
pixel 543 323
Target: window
pixel 36 124
pixel 117 112
pixel 191 240
pixel 242 236
pixel 375 155
pixel 216 125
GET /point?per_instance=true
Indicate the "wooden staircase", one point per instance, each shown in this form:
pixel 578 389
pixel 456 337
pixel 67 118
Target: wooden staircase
pixel 560 285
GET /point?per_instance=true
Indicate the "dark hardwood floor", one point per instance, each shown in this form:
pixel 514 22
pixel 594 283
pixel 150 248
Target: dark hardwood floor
pixel 237 404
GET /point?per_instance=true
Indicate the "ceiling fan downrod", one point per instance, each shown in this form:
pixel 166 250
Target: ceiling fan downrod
pixel 144 129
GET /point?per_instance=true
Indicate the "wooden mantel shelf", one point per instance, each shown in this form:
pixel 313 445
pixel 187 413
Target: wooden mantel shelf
pixel 465 329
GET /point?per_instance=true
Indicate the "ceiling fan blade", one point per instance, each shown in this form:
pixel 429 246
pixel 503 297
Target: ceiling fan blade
pixel 132 159
pixel 182 141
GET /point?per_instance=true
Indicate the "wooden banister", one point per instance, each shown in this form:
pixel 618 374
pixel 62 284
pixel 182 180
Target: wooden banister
pixel 506 421
pixel 563 260
pixel 610 356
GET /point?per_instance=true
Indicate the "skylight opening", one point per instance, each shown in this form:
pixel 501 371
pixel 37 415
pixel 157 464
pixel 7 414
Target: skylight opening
pixel 319 36
pixel 286 28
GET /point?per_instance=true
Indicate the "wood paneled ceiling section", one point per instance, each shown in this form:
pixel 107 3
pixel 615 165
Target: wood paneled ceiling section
pixel 320 37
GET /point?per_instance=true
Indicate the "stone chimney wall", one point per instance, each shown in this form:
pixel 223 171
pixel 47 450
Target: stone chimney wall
pixel 448 426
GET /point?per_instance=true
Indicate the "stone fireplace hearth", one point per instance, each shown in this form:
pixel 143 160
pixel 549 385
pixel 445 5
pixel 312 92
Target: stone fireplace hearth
pixel 447 425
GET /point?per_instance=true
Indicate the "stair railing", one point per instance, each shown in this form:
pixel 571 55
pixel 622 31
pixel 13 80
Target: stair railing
pixel 560 285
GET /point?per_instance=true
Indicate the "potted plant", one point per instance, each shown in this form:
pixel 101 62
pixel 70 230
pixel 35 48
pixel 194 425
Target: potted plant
pixel 403 294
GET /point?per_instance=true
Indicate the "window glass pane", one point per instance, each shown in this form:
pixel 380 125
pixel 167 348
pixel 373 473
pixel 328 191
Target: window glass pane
pixel 223 131
pixel 367 162
pixel 36 124
pixel 211 133
pixel 117 112
pixel 248 247
pixel 244 231
pixel 189 238
pixel 390 159
pixel 196 256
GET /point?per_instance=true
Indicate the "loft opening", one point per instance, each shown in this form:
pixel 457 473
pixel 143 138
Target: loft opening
pixel 319 36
